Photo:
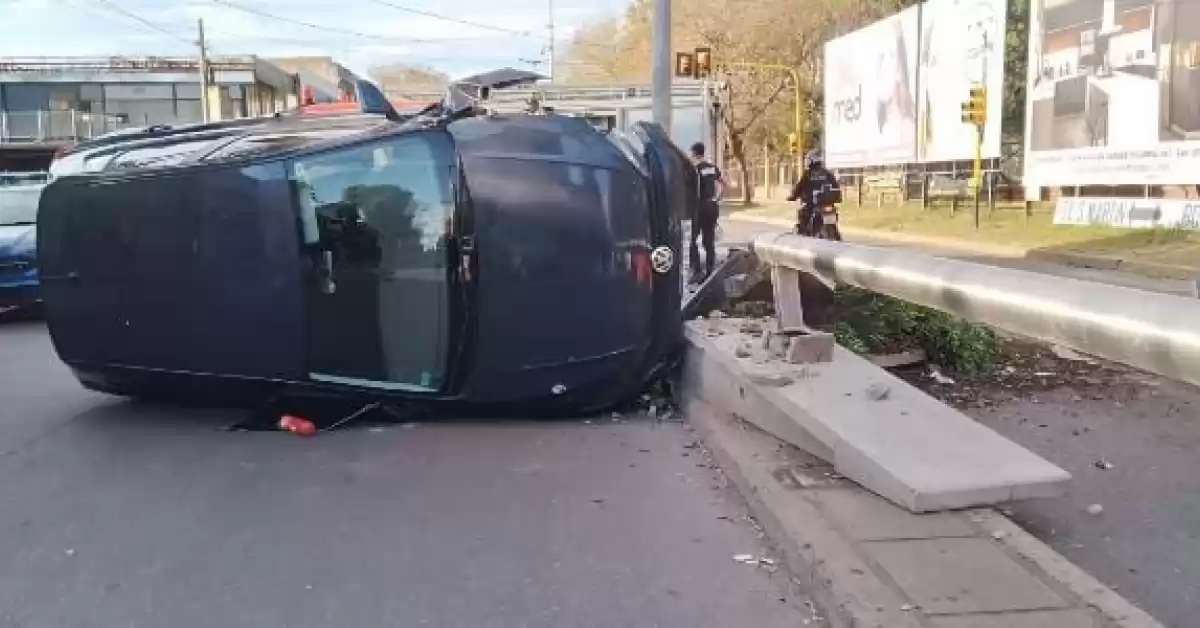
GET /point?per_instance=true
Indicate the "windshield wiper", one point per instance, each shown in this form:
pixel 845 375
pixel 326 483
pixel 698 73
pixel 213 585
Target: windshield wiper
pixel 20 223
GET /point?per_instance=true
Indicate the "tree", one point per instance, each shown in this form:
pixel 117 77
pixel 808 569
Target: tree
pixel 402 78
pixel 1016 68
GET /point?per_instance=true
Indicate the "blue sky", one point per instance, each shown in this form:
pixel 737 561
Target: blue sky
pixel 378 33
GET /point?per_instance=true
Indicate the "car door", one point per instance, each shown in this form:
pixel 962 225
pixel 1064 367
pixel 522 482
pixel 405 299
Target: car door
pixel 376 219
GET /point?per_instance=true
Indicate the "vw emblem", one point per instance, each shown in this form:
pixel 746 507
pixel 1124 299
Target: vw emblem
pixel 662 259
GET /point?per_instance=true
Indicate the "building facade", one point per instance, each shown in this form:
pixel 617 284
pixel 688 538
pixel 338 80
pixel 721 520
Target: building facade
pixel 48 100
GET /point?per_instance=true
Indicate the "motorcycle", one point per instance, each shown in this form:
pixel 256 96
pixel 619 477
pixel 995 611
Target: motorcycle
pixel 828 229
pixel 821 224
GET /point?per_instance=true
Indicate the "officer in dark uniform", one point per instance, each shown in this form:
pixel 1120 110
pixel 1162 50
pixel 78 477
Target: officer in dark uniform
pixel 704 223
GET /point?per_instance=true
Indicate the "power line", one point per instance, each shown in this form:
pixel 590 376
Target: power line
pixel 454 20
pixel 141 20
pixel 271 16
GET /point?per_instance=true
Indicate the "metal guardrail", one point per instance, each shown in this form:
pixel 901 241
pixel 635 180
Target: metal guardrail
pixel 1156 332
pixel 54 126
pixel 23 178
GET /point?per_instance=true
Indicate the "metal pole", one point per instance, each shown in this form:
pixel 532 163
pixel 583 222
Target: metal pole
pixel 204 104
pixel 661 65
pixel 798 123
pixel 550 45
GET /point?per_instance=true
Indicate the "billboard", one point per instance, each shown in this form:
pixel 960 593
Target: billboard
pixel 961 45
pixel 870 94
pixel 1113 93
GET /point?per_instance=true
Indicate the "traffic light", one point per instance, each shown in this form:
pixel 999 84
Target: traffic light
pixel 974 109
pixel 793 143
pixel 685 66
pixel 703 62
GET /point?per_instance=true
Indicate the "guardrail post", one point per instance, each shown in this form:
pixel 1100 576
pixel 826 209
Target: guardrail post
pixel 789 306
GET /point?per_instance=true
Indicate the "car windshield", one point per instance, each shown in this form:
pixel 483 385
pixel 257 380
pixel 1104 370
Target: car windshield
pixel 19 205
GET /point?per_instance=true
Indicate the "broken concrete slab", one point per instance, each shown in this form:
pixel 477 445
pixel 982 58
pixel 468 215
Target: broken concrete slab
pixel 810 348
pixel 906 446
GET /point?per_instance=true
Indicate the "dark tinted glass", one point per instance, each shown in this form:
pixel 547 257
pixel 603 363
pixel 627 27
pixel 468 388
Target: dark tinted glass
pixel 382 211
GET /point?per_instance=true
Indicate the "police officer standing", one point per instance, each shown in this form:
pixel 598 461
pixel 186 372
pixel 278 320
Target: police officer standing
pixel 704 224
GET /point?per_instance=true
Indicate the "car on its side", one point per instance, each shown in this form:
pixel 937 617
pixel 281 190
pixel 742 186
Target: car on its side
pixel 18 245
pixel 512 263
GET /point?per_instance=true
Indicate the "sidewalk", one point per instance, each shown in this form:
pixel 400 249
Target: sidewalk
pixel 744 225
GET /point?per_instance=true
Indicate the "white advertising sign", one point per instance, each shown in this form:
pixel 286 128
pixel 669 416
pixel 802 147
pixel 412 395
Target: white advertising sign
pixel 870 94
pixel 1113 93
pixel 1132 213
pixel 961 46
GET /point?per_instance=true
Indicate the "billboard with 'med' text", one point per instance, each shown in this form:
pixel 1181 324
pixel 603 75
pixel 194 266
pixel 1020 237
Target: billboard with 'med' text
pixel 870 94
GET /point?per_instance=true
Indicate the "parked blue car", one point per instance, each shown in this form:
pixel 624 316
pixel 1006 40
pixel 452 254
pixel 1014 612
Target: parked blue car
pixel 18 245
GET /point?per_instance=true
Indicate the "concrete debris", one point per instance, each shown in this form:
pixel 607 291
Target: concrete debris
pixel 936 375
pixel 1103 464
pixel 750 559
pixel 810 348
pixel 1064 353
pixel 878 391
pixel 774 380
pixel 1095 509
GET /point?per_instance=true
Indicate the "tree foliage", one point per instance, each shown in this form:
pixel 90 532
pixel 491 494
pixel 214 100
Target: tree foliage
pixel 401 77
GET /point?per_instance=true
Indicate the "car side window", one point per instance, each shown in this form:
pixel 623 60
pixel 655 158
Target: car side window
pixel 404 184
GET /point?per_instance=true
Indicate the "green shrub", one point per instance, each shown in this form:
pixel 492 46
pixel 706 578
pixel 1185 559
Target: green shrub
pixel 871 323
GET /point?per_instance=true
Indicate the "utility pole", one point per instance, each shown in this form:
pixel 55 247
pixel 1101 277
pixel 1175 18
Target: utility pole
pixel 661 66
pixel 203 71
pixel 550 44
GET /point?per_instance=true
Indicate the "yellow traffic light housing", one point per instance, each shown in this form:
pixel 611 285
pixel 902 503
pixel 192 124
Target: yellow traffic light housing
pixel 685 66
pixel 703 62
pixel 974 109
pixel 793 143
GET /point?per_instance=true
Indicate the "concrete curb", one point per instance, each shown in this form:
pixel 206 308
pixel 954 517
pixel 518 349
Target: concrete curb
pixel 854 552
pixel 1109 262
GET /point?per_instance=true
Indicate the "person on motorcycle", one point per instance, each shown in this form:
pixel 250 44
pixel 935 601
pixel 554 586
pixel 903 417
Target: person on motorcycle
pixel 817 188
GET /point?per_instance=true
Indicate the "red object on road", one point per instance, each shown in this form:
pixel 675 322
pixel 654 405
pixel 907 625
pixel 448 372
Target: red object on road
pixel 297 425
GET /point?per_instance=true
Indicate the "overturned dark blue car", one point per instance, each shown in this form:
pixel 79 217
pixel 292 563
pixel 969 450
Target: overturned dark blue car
pixel 521 262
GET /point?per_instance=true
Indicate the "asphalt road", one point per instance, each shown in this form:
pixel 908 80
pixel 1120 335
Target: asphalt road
pixel 119 514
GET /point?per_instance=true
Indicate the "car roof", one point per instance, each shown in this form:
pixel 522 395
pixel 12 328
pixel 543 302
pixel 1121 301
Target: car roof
pixel 218 142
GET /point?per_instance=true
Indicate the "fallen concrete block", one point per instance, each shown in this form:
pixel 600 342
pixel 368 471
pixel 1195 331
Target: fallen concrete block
pixel 905 445
pixel 810 348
